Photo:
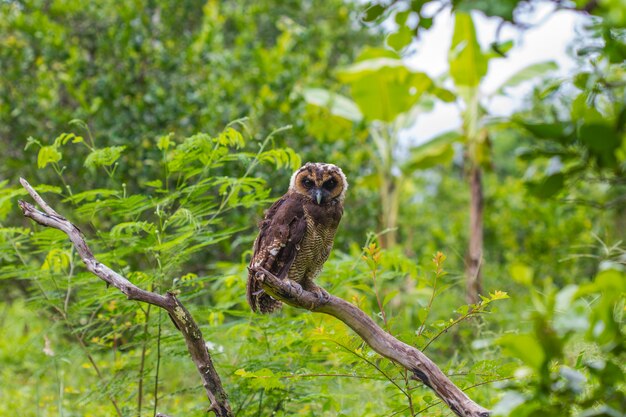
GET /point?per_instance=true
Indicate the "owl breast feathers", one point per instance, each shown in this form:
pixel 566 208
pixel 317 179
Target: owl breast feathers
pixel 296 235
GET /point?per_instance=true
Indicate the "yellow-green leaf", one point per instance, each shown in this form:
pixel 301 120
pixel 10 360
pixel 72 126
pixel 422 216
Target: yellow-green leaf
pixel 468 64
pixel 47 155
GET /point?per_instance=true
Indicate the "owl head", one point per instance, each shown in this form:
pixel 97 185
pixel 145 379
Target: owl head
pixel 320 182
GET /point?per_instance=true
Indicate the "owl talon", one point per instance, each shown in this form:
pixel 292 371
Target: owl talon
pixel 322 294
pixel 295 287
pixel 260 273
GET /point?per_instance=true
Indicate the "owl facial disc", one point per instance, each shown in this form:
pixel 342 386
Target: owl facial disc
pixel 320 182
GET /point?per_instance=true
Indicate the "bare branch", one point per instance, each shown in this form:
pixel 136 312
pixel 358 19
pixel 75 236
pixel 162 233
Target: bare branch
pixel 179 314
pixel 382 342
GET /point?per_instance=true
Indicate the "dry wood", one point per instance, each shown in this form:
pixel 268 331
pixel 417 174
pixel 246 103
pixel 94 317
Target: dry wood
pixel 289 292
pixel 179 314
pixel 382 342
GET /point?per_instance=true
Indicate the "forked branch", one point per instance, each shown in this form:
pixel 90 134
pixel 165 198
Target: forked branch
pixel 382 342
pixel 412 359
pixel 179 314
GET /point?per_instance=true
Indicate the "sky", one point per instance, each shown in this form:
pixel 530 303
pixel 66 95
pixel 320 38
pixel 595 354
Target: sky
pixel 547 40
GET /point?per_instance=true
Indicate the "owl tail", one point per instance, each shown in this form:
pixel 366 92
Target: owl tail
pixel 258 299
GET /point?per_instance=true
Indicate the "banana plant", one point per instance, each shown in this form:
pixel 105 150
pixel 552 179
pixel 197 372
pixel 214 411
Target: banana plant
pixel 388 96
pixel 468 68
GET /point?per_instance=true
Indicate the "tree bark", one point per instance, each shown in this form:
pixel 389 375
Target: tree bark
pixel 422 368
pixel 389 196
pixel 475 249
pixel 179 314
pixel 385 344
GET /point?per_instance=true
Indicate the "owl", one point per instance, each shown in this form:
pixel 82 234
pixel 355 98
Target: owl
pixel 297 232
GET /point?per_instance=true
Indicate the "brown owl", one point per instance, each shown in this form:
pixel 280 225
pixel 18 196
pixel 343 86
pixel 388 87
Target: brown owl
pixel 296 235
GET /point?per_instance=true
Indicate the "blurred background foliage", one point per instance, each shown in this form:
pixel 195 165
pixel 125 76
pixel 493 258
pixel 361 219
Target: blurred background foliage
pixel 163 129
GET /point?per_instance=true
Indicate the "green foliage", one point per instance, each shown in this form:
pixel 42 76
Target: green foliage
pixel 149 237
pixel 414 17
pixel 135 71
pixel 173 209
pixel 573 360
pixel 580 132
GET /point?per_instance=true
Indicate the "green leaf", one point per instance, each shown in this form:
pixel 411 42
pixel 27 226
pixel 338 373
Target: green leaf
pixel 400 39
pixel 390 297
pixel 231 137
pixel 526 348
pixel 373 12
pixel 31 141
pixel 468 65
pixel 526 74
pixel 337 104
pixel 104 156
pixel 130 228
pixel 499 50
pixel 65 138
pixel 428 157
pixel 179 242
pixel 522 273
pixel 281 158
pixel 501 8
pixel 384 88
pixel 57 261
pixel 558 131
pixel 373 53
pixel 47 155
pixel 154 183
pixel 263 378
pixel 602 141
pixel 165 142
pixel 547 186
pixel 581 80
pixel 443 94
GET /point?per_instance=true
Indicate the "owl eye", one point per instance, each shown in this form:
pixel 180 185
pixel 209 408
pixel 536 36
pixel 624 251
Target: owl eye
pixel 330 184
pixel 307 182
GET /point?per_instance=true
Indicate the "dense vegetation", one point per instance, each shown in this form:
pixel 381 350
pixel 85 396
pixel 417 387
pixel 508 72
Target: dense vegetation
pixel 163 129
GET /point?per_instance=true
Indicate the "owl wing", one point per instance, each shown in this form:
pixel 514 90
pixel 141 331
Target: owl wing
pixel 275 248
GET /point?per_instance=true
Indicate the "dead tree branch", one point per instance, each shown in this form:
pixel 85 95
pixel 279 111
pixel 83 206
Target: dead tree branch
pixel 179 314
pixel 413 359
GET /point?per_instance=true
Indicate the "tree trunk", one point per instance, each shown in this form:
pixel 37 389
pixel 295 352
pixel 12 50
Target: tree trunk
pixel 389 211
pixel 475 249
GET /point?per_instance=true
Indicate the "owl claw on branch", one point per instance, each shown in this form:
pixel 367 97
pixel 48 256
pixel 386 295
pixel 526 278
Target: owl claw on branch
pixel 291 292
pixel 321 293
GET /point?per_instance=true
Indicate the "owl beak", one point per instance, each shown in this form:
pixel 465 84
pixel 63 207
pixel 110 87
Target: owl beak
pixel 318 196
